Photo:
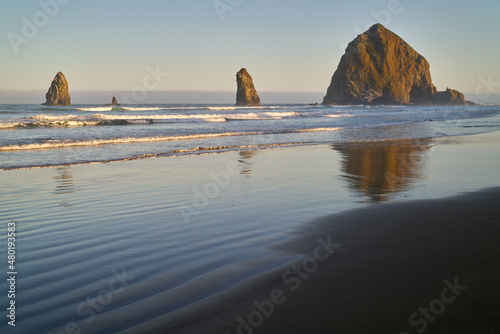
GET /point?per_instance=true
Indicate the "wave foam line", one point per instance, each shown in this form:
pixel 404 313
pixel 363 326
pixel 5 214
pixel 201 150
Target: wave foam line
pixel 95 109
pixel 336 116
pixel 63 123
pixel 141 109
pixel 110 108
pixel 256 116
pixel 132 140
pixel 248 107
pixel 105 119
pixel 318 129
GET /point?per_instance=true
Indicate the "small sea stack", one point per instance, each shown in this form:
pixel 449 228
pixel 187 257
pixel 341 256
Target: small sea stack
pixel 58 94
pixel 114 102
pixel 246 94
pixel 449 97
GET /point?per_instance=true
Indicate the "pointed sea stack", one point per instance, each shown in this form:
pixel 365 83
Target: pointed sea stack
pixel 379 67
pixel 58 94
pixel 246 94
pixel 114 102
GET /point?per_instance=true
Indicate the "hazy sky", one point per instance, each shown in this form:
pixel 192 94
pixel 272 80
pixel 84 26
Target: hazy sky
pixel 286 45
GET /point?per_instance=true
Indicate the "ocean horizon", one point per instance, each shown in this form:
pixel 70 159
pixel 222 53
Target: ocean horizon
pixel 189 97
pixel 160 97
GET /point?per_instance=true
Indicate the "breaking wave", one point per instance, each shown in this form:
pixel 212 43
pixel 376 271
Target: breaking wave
pixel 141 109
pixel 70 120
pixel 95 109
pixel 53 144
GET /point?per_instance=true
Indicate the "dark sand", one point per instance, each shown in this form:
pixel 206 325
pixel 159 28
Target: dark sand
pixel 393 260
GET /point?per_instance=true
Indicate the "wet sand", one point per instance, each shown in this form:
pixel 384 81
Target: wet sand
pixel 410 267
pixel 424 265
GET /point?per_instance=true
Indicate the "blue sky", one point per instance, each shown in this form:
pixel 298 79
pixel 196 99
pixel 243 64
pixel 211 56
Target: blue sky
pixel 288 46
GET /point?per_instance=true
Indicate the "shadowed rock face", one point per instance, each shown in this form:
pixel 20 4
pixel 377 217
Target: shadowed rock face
pixel 114 102
pixel 381 68
pixel 449 96
pixel 58 94
pixel 246 94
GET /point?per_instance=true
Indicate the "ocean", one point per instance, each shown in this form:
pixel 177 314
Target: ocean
pixel 38 136
pixel 131 219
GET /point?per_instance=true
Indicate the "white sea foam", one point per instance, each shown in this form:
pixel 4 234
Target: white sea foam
pixel 183 108
pixel 51 121
pixel 142 109
pixel 110 108
pixel 53 144
pixel 245 107
pixel 70 120
pixel 96 142
pixel 319 129
pixel 280 113
pixel 181 116
pixel 95 109
pixel 242 116
pixel 43 120
pixel 221 108
pixel 336 116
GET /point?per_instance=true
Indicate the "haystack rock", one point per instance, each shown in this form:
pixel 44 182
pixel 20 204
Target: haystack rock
pixel 114 102
pixel 58 94
pixel 379 67
pixel 246 94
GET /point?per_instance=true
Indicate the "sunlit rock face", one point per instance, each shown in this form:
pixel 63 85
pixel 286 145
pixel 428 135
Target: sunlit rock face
pixel 246 94
pixel 379 67
pixel 58 94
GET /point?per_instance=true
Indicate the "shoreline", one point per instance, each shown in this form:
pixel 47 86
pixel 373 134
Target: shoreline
pixel 231 149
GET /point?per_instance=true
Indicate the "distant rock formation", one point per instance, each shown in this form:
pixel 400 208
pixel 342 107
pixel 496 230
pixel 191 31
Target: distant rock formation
pixel 379 67
pixel 114 102
pixel 246 94
pixel 58 94
pixel 449 96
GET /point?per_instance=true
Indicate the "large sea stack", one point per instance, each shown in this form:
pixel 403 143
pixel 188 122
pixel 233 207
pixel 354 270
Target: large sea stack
pixel 58 94
pixel 246 94
pixel 379 67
